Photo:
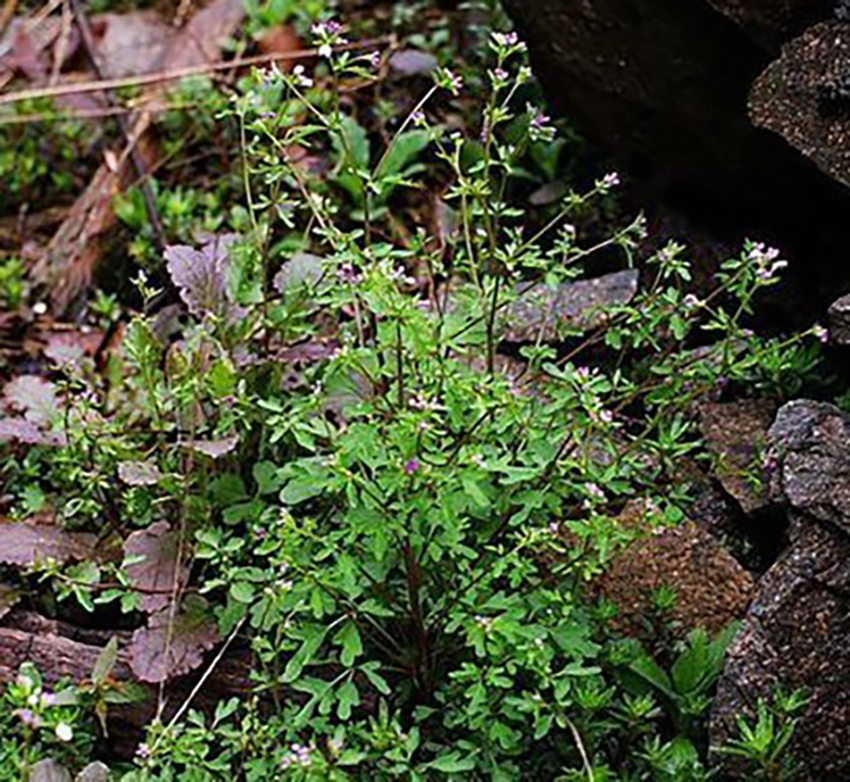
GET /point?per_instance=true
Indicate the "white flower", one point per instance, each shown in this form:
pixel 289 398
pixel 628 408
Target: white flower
pixel 64 732
pixel 326 50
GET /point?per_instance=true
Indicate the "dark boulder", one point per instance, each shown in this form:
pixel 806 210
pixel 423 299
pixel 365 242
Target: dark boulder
pixel 796 630
pixel 664 85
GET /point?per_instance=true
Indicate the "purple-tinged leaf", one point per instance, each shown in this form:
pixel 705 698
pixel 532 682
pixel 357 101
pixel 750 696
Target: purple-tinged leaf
pixel 34 397
pixel 306 352
pixel 63 353
pixel 139 473
pixel 25 545
pixel 26 432
pixel 160 570
pixel 302 269
pixel 173 643
pixel 214 448
pixel 201 275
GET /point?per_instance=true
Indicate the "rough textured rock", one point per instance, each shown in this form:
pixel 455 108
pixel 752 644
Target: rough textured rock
pixel 839 321
pixel 664 85
pixel 544 313
pixel 736 433
pixel 712 588
pixel 796 630
pixel 795 636
pixel 811 441
pixel 804 96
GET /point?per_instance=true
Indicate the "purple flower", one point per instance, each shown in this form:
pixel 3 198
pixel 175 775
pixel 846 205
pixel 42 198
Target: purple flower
pixel 690 301
pixel 500 74
pixel 28 718
pixel 511 39
pixel 298 755
pixel 411 466
pixel 347 273
pixel 375 60
pixel 48 699
pixel 611 179
pixel 820 333
pixel 540 120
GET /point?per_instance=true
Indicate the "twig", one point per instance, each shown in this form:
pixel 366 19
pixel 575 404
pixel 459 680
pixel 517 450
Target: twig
pixel 141 80
pixel 9 8
pixel 87 37
pixel 206 675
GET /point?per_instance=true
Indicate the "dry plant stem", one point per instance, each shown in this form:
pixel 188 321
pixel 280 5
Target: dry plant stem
pixel 173 75
pixel 6 14
pixel 87 36
pixel 201 682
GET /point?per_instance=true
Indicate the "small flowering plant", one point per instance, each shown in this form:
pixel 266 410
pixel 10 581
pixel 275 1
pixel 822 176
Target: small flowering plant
pixel 425 517
pixel 39 722
pixel 391 500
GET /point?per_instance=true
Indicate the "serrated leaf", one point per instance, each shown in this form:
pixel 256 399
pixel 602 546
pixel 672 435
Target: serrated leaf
pixel 201 276
pixel 23 431
pixel 215 449
pixel 34 396
pixel 155 570
pixel 173 644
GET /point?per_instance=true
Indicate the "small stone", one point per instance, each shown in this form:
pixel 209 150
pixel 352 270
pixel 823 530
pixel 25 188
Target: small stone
pixel 839 321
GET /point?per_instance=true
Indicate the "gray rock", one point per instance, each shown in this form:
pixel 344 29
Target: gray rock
pixel 663 86
pixel 839 321
pixel 94 772
pixel 795 636
pixel 810 443
pixel 49 770
pixel 545 312
pixel 796 630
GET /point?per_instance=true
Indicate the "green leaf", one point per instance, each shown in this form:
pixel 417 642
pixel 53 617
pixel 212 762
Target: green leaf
pixel 304 655
pixel 403 151
pixel 347 698
pixel 105 661
pixel 242 591
pixel 377 681
pixel 348 638
pixel 451 763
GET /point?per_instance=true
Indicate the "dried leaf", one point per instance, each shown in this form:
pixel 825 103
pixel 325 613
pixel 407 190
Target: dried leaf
pixel 300 270
pixel 172 645
pixel 214 448
pixel 201 275
pixel 131 43
pixel 23 431
pixel 139 473
pixel 25 545
pixel 159 571
pixel 412 62
pixel 35 397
